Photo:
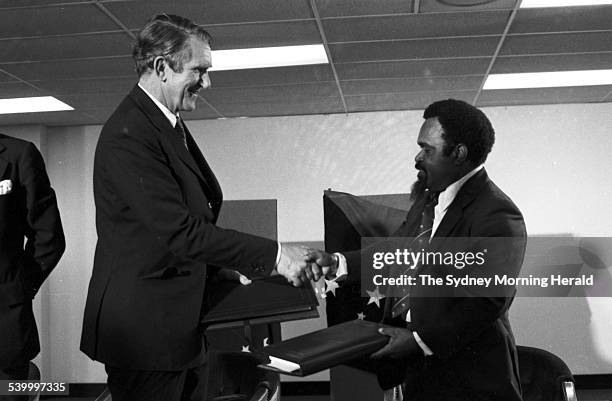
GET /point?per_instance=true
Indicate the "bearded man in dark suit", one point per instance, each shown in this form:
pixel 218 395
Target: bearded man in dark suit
pixel 157 201
pixel 28 210
pixel 455 344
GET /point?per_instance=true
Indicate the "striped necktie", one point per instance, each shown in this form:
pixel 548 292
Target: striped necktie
pixel 421 240
pixel 181 130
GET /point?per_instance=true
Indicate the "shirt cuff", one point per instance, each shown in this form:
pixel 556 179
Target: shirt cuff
pixel 426 350
pixel 278 254
pixel 342 269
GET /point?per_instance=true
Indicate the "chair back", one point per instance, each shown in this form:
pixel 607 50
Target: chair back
pixel 544 376
pixel 34 374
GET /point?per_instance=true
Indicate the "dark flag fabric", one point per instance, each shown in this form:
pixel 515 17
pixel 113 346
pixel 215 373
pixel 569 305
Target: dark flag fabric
pixel 347 219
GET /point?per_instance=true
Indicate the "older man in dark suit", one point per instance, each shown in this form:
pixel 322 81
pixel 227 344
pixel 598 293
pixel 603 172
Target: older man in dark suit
pixel 157 201
pixel 457 344
pixel 28 210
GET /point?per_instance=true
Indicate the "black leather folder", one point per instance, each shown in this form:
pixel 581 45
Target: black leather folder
pixel 266 300
pixel 323 349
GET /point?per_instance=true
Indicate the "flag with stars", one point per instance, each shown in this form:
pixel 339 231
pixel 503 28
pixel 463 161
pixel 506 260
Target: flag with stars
pixel 348 218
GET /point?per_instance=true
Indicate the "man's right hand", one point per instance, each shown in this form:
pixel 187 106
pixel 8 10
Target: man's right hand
pixel 294 265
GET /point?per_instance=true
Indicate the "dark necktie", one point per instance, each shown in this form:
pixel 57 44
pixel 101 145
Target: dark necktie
pixel 181 130
pixel 421 240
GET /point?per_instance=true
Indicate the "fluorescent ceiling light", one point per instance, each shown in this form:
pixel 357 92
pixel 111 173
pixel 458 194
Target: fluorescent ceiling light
pixel 264 57
pixel 548 79
pixel 562 3
pixel 32 105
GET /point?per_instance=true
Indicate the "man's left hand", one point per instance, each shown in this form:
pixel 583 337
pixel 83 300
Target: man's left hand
pixel 401 344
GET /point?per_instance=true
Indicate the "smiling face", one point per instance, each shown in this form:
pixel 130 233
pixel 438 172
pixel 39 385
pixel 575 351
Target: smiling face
pixel 436 169
pixel 181 88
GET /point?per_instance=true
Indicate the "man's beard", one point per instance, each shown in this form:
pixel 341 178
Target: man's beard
pixel 418 189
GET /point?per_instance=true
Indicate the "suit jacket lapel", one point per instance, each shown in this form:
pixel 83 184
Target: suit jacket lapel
pixel 413 219
pixel 169 134
pixel 214 189
pixel 3 163
pixel 466 195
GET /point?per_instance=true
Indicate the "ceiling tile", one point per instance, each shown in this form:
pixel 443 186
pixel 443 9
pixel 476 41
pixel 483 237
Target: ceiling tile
pixel 66 47
pixel 394 85
pixel 403 101
pixel 18 89
pixel 88 86
pixel 73 69
pixel 557 43
pixel 5 77
pixel 49 21
pixel 49 118
pixel 415 26
pixel 135 14
pixel 264 35
pixel 341 8
pixel 31 3
pixel 565 62
pixel 562 19
pixel 271 76
pixel 413 49
pixel 543 95
pixel 412 68
pixel 427 6
pixel 280 93
pixel 110 100
pixel 282 108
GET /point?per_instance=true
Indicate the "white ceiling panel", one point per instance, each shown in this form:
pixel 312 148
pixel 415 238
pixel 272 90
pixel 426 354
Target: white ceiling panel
pixel 564 62
pixel 544 95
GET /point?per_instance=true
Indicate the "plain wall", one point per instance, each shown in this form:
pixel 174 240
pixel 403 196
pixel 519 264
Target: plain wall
pixel 551 159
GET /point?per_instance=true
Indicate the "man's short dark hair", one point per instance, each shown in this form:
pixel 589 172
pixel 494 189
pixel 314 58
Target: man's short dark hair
pixel 463 123
pixel 166 35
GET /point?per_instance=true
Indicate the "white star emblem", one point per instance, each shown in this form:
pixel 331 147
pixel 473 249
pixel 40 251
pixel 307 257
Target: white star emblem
pixel 330 286
pixel 361 316
pixel 375 297
pixel 246 349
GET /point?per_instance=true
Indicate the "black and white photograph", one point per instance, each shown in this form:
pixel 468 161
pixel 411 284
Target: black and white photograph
pixel 305 200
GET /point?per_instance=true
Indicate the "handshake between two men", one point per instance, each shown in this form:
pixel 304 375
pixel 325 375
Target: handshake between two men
pixel 299 264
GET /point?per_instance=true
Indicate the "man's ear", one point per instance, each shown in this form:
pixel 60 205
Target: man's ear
pixel 160 67
pixel 460 153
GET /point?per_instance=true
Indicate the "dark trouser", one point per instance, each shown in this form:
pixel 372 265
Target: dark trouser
pixel 147 385
pixel 14 373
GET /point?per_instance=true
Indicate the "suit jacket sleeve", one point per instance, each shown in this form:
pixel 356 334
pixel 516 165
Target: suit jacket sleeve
pixel 139 171
pixel 45 241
